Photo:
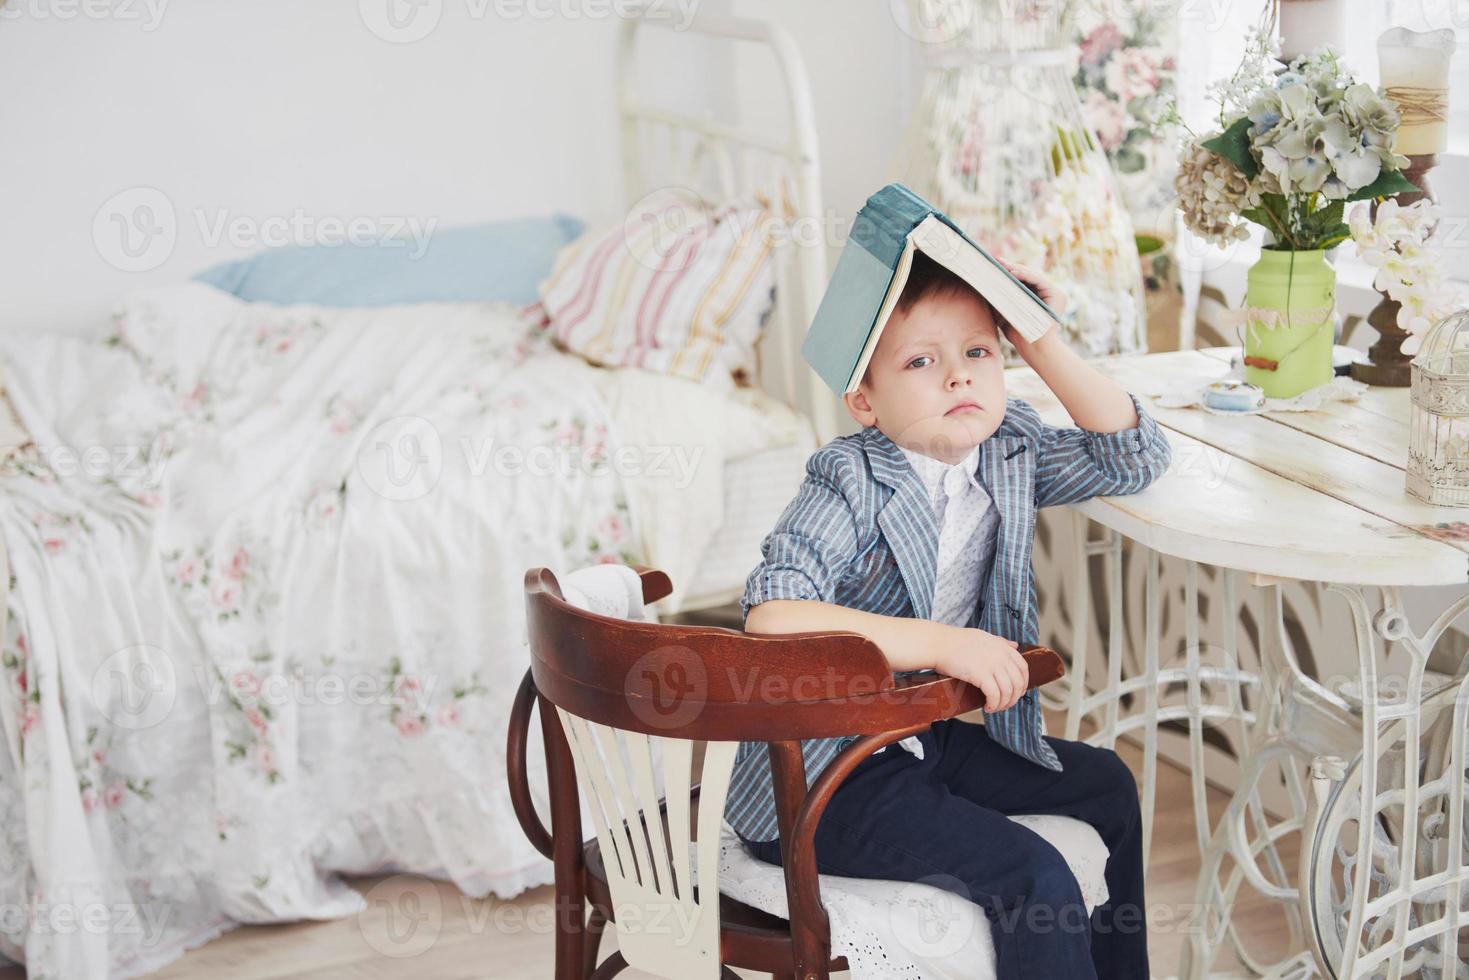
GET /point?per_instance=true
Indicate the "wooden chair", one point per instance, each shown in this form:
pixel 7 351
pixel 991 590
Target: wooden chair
pixel 595 678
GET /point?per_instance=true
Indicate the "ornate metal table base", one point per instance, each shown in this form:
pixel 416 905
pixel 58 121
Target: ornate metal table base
pixel 1381 888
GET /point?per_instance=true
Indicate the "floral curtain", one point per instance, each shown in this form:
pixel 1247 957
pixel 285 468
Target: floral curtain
pixel 1126 76
pixel 997 140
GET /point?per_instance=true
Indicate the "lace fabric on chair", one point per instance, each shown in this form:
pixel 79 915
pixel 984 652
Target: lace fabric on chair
pixel 891 930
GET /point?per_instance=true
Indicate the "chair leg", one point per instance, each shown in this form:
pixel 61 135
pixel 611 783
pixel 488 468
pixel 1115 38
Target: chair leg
pixel 610 967
pixel 570 933
pixel 592 939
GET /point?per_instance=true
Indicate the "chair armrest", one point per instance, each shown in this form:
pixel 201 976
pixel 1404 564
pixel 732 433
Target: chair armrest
pixel 656 583
pixel 1043 665
pixel 515 770
pixel 803 888
pixel 803 891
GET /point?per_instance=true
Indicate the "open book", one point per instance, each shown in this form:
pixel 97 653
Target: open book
pixel 873 269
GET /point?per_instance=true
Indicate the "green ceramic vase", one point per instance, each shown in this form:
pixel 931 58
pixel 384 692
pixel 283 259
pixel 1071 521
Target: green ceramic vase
pixel 1297 287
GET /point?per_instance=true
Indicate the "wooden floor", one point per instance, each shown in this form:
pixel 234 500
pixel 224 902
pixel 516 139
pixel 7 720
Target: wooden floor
pixel 436 933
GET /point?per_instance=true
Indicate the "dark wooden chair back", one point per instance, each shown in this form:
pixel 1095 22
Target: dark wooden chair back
pixel 606 687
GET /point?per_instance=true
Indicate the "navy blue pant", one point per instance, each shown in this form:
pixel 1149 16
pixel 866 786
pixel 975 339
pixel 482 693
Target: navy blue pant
pixel 942 820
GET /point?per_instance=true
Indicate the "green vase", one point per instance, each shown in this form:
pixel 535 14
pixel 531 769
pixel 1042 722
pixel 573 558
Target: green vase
pixel 1291 322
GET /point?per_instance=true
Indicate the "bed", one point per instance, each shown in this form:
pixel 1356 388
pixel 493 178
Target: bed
pixel 244 658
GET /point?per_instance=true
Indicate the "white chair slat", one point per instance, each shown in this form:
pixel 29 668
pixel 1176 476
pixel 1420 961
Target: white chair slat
pixel 678 762
pixel 640 761
pixel 617 771
pixel 713 788
pixel 592 779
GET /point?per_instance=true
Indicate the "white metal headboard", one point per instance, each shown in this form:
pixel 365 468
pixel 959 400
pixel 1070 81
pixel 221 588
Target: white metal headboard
pixel 721 160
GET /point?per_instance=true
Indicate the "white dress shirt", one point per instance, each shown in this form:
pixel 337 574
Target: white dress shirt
pixel 967 522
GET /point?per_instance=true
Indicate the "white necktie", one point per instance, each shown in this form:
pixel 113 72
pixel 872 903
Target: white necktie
pixel 952 484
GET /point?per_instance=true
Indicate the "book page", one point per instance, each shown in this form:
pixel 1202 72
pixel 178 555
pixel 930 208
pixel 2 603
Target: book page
pixel 1012 299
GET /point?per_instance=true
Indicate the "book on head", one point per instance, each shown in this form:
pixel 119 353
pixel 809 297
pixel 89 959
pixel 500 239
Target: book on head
pixel 873 269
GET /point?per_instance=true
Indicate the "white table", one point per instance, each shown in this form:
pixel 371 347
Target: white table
pixel 1297 690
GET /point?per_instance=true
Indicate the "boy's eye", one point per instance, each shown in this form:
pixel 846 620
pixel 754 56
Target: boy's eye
pixel 920 357
pixel 979 351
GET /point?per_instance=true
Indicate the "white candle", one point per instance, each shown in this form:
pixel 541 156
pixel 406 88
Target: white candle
pixel 1415 74
pixel 1306 25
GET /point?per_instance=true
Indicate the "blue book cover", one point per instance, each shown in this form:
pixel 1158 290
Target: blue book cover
pixel 873 267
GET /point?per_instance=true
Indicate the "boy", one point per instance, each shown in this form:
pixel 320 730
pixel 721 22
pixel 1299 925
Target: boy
pixel 917 532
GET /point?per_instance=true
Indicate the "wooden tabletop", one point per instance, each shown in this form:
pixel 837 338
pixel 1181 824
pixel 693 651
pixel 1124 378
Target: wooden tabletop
pixel 1308 495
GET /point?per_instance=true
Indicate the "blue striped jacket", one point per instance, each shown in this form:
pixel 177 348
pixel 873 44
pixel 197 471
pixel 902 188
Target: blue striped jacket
pixel 861 533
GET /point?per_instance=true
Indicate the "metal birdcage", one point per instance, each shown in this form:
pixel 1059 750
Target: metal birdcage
pixel 1438 446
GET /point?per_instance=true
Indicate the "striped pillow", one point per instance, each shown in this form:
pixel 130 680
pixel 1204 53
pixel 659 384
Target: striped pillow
pixel 679 287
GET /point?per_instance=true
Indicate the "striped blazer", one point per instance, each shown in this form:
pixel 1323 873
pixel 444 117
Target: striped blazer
pixel 861 533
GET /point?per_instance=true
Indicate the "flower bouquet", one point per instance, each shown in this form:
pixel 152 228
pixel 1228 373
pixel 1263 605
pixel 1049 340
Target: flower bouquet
pixel 1296 143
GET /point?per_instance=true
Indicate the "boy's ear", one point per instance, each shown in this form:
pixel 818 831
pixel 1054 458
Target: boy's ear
pixel 859 407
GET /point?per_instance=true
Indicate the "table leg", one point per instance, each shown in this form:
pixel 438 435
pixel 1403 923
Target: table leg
pixel 1246 833
pixel 1385 880
pixel 1243 712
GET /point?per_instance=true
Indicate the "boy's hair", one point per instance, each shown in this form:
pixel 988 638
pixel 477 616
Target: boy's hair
pixel 928 279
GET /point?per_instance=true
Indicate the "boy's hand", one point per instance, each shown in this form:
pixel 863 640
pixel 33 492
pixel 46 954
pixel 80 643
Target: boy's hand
pixel 989 662
pixel 1049 292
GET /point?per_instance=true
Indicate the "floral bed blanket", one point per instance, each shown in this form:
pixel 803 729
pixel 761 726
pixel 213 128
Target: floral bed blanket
pixel 265 616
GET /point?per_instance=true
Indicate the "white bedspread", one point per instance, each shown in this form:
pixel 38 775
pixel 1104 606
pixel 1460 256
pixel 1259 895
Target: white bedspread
pixel 694 430
pixel 266 610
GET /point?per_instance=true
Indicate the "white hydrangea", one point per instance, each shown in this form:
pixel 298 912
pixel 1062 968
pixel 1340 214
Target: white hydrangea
pixel 1315 134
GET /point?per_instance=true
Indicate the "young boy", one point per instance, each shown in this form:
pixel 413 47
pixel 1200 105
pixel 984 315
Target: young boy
pixel 917 532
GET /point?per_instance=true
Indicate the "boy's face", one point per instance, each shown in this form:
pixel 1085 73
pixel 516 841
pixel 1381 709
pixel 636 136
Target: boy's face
pixel 936 382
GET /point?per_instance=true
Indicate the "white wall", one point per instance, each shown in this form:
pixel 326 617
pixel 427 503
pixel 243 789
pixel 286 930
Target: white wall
pixel 864 75
pixel 286 116
pixel 277 111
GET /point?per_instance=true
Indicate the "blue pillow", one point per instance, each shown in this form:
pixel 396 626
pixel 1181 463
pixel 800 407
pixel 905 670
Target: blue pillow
pixel 496 261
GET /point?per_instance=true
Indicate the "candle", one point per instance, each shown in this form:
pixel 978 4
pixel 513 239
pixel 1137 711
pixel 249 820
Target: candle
pixel 1415 75
pixel 1306 25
